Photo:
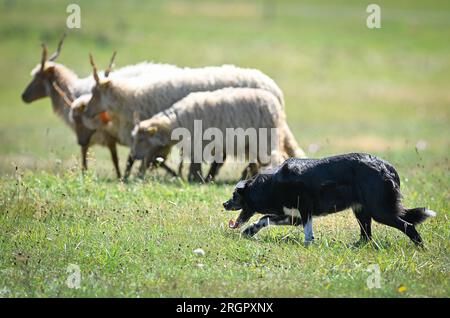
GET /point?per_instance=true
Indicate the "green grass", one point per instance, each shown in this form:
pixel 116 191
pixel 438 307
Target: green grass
pixel 347 88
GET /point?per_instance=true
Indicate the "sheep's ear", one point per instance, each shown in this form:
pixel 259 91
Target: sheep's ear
pixel 49 70
pixel 152 130
pixel 62 94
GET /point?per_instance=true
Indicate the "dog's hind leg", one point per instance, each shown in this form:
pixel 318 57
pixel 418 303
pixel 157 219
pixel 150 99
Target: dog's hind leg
pixel 365 223
pixel 270 220
pixel 407 228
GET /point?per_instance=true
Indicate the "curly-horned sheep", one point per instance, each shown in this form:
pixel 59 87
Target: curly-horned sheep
pixel 48 76
pixel 238 108
pixel 85 127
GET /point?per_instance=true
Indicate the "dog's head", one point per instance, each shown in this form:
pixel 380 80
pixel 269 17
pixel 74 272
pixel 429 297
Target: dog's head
pixel 239 201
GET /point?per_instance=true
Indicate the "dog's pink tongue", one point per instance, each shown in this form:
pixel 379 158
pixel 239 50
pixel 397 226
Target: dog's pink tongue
pixel 232 224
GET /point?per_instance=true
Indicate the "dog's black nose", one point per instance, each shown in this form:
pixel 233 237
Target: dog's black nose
pixel 25 98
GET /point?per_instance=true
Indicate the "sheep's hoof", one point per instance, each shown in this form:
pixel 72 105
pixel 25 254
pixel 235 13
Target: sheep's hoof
pixel 195 178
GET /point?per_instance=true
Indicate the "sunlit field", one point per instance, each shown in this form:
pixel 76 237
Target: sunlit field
pixel 347 88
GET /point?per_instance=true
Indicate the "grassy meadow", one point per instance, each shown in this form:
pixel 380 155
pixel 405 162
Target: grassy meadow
pixel 347 88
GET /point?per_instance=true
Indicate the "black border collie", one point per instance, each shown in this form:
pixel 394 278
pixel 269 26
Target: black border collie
pixel 302 188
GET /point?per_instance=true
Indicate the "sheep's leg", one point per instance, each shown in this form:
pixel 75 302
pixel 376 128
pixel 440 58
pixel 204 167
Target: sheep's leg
pixel 144 166
pixel 250 171
pixel 180 170
pixel 195 173
pixel 84 150
pixel 130 162
pixel 168 169
pixel 213 171
pixel 115 159
pixel 215 167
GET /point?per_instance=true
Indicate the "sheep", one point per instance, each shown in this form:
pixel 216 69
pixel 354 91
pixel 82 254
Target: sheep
pixel 222 109
pixel 124 97
pixel 86 126
pixel 48 76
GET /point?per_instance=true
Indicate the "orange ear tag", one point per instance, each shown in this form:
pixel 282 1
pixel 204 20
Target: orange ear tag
pixel 104 117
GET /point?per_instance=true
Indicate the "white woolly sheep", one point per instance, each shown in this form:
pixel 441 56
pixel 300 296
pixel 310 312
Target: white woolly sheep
pixel 124 97
pixel 222 109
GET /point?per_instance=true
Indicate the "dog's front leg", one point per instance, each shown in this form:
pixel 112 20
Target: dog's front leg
pixel 307 227
pixel 256 227
pixel 306 217
pixel 269 220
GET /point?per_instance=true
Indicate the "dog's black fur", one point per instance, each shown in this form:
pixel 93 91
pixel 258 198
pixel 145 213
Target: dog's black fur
pixel 315 187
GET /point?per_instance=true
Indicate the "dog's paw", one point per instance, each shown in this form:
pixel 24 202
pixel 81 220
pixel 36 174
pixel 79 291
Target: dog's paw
pixel 248 232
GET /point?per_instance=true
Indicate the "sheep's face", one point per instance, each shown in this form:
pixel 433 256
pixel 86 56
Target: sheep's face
pixel 77 114
pixel 39 87
pixel 78 106
pixel 150 142
pixel 84 134
pixel 97 103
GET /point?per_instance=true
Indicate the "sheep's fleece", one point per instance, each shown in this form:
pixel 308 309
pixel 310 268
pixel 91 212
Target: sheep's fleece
pixel 225 108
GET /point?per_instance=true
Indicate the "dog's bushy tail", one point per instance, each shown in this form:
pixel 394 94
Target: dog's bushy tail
pixel 417 215
pixel 290 145
pixel 414 216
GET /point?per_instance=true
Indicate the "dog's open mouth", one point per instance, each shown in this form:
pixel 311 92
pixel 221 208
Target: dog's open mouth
pixel 233 224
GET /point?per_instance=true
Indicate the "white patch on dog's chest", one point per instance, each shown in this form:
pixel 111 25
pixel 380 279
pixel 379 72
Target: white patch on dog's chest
pixel 291 212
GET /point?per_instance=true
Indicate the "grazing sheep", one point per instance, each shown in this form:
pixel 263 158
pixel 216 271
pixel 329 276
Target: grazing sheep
pixel 222 109
pixel 124 97
pixel 49 76
pixel 84 134
pixel 85 126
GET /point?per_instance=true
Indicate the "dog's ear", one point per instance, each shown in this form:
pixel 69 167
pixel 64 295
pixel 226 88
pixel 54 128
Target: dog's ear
pixel 240 187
